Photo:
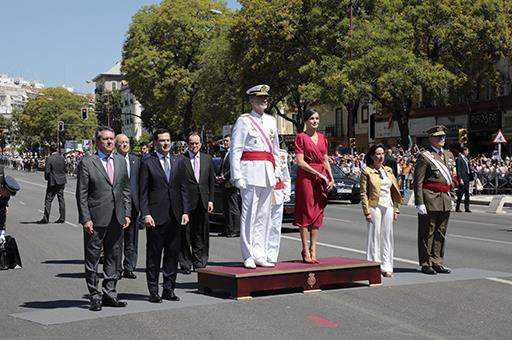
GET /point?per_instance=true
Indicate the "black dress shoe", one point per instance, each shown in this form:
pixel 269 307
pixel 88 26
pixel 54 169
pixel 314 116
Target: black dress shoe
pixel 129 274
pixel 186 271
pixel 468 210
pixel 60 220
pixel 428 270
pixel 169 295
pixel 95 305
pixel 442 270
pixel 155 298
pixel 112 302
pixel 223 234
pixel 42 221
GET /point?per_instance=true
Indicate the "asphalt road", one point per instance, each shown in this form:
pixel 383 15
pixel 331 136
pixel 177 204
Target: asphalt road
pixel 46 300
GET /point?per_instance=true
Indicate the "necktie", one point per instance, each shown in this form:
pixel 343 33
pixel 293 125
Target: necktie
pixel 110 169
pixel 128 165
pixel 167 167
pixel 196 168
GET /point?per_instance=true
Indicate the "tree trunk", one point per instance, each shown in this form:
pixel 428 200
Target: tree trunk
pixel 352 108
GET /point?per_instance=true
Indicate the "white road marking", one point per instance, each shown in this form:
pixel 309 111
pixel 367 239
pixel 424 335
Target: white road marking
pixel 479 239
pixel 22 203
pixel 337 219
pixel 71 224
pixel 348 249
pixel 42 185
pixel 495 279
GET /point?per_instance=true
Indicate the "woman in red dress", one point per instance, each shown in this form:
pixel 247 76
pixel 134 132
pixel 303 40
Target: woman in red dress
pixel 314 180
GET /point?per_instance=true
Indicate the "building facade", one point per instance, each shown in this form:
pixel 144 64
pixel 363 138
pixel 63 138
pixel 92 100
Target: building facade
pixel 15 92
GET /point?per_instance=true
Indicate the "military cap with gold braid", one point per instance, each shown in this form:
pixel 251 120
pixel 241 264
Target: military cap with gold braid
pixel 258 90
pixel 437 130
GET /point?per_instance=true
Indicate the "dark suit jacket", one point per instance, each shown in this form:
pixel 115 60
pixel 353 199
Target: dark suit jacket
pixel 463 171
pixel 161 198
pixel 204 190
pixel 55 170
pixel 134 181
pixel 96 197
pixel 390 161
pixel 225 171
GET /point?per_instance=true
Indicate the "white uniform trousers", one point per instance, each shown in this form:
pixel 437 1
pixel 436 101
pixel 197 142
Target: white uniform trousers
pixel 379 247
pixel 255 221
pixel 274 234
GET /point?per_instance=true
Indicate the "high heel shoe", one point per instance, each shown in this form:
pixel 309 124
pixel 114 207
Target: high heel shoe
pixel 303 253
pixel 313 257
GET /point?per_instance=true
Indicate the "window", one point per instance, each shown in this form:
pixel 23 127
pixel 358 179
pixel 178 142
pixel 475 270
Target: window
pixel 114 86
pixel 364 114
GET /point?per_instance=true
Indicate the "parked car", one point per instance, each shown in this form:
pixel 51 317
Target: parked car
pixel 346 186
pixel 217 216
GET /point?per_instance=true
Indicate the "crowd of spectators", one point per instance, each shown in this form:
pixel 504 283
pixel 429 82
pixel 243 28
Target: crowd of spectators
pixel 483 166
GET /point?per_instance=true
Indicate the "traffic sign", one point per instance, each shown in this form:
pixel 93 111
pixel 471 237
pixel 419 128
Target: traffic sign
pixel 500 138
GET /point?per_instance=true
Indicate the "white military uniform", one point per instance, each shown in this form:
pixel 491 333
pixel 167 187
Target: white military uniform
pixel 255 179
pixel 281 196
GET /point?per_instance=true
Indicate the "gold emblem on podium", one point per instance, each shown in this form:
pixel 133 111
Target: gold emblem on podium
pixel 311 280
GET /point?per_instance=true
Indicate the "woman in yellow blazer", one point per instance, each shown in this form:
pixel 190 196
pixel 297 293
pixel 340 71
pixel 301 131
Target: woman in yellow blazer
pixel 381 199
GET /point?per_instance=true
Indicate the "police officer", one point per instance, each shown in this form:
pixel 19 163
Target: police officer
pixel 254 160
pixel 8 188
pixel 433 192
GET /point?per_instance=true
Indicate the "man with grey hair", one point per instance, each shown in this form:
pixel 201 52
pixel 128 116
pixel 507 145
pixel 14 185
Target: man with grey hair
pixel 131 234
pixel 104 210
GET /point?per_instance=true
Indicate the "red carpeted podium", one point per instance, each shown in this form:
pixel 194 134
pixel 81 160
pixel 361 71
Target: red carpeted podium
pixel 241 283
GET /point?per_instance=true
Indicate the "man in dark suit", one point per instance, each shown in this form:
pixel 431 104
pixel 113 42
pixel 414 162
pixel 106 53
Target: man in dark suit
pixel 464 175
pixel 164 207
pixel 231 200
pixel 131 234
pixel 55 174
pixel 390 160
pixel 104 210
pixel 433 192
pixel 200 177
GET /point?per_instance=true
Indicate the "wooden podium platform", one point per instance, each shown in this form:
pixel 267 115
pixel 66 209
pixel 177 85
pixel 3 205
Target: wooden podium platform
pixel 241 283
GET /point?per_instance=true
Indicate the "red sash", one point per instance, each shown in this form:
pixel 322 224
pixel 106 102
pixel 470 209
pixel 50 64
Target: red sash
pixel 259 156
pixel 437 187
pixel 262 133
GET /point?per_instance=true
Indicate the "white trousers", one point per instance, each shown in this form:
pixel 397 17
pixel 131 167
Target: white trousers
pixel 255 221
pixel 274 234
pixel 379 247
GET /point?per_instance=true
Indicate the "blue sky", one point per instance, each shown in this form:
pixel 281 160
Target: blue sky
pixel 65 42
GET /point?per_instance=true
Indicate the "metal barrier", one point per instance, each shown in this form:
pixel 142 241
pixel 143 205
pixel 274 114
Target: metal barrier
pixel 493 183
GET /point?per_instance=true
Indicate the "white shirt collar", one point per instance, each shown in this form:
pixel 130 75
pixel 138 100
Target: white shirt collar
pixel 437 150
pixel 191 155
pixel 160 156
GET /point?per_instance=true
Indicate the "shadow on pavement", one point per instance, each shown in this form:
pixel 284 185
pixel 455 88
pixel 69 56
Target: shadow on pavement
pixel 406 270
pixel 56 304
pixel 63 262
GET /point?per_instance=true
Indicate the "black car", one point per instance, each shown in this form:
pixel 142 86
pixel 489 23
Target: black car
pixel 217 216
pixel 346 187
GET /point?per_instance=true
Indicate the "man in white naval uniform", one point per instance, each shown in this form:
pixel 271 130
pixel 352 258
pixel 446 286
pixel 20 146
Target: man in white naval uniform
pixel 282 192
pixel 253 156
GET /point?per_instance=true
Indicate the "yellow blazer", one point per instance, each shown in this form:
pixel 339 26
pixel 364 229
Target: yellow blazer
pixel 370 189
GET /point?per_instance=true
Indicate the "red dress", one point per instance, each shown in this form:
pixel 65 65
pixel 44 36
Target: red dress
pixel 310 190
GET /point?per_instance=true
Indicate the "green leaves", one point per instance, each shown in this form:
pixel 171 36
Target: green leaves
pixel 41 114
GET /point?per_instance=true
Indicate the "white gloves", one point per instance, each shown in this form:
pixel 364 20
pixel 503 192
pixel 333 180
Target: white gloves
pixel 240 183
pixel 421 209
pixel 2 237
pixel 287 198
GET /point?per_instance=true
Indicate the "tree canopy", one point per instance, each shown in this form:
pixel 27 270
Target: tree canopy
pixel 161 58
pixel 37 123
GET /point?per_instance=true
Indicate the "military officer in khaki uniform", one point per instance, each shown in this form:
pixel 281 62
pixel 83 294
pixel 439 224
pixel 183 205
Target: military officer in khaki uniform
pixel 433 192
